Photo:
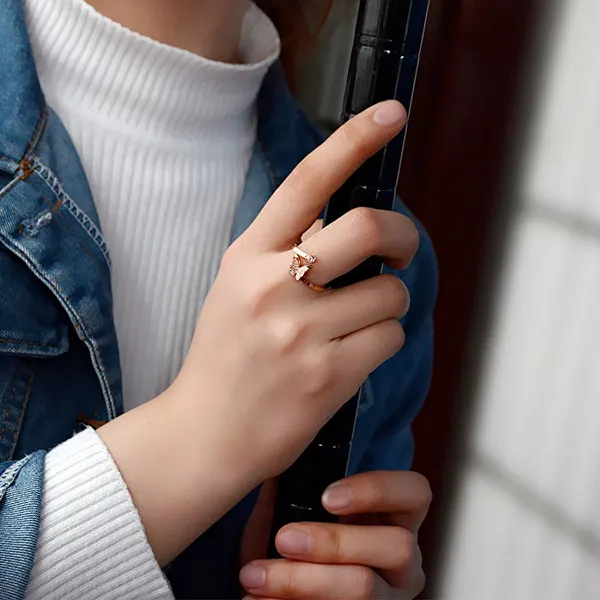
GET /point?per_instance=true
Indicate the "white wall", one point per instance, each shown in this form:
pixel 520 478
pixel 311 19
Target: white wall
pixel 527 523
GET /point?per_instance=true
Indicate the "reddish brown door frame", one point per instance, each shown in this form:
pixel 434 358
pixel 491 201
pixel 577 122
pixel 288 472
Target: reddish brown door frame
pixel 456 155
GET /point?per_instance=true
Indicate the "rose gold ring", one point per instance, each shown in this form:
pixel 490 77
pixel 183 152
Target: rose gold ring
pixel 301 265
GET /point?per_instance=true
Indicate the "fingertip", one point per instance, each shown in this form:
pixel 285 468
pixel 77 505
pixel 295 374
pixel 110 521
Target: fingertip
pixel 339 498
pixel 253 577
pixel 390 113
pixel 293 542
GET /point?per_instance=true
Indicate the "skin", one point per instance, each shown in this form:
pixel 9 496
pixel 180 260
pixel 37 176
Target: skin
pixel 372 553
pixel 206 27
pixel 288 358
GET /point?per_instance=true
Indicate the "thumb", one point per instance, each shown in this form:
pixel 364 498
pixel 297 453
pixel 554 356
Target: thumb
pixel 255 541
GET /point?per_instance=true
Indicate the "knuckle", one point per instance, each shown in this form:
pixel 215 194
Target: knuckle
pixel 398 294
pixel 289 579
pixel 322 377
pixel 420 581
pixel 377 493
pixel 393 338
pixel 332 544
pixel 423 489
pixel 412 237
pixel 287 333
pixel 253 301
pixel 364 582
pixel 368 226
pixel 398 336
pixel 403 552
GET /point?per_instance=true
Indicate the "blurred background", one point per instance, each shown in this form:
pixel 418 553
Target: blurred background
pixel 503 168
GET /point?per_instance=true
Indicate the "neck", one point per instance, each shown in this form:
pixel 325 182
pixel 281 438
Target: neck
pixel 209 28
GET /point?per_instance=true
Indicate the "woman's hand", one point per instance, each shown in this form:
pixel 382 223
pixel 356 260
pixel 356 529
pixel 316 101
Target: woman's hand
pixel 373 553
pixel 271 360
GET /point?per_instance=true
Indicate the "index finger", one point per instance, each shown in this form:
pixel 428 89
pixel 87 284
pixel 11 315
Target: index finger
pixel 303 195
pixel 403 496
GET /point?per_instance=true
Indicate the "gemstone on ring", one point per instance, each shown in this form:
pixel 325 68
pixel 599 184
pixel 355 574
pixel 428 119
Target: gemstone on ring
pixel 297 270
pixel 302 263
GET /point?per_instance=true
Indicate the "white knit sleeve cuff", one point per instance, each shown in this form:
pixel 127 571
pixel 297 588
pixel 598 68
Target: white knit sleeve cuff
pixel 92 542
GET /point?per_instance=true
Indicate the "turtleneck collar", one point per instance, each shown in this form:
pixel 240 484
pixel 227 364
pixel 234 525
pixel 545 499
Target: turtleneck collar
pixel 93 66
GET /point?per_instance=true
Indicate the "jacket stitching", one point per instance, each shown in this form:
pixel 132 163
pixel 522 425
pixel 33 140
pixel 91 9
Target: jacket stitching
pixel 9 186
pixel 53 209
pixel 25 343
pixel 73 315
pixel 75 232
pixel 83 219
pixel 8 477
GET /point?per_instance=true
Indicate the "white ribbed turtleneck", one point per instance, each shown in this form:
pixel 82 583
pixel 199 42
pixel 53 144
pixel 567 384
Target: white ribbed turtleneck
pixel 165 138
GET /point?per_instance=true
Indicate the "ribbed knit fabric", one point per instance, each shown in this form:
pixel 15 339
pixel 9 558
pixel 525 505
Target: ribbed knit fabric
pixel 165 138
pixel 92 544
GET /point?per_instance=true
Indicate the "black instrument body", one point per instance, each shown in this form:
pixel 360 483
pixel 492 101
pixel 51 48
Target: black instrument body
pixel 384 65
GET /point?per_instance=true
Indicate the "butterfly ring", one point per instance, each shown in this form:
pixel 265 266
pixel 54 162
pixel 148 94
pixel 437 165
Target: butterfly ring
pixel 301 265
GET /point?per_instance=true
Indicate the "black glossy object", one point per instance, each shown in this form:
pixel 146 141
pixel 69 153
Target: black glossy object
pixel 384 65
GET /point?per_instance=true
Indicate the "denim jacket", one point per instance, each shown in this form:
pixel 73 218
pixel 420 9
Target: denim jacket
pixel 59 358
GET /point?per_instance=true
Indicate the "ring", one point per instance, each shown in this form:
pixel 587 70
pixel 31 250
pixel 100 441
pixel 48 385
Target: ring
pixel 301 265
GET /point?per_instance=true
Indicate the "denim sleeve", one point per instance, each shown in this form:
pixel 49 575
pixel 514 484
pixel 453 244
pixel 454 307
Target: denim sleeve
pixel 20 507
pixel 395 393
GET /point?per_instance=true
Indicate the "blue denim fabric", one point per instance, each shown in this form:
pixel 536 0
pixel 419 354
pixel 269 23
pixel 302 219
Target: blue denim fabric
pixel 21 489
pixel 59 359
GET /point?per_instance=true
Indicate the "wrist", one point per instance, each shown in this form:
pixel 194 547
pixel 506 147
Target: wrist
pixel 214 441
pixel 179 469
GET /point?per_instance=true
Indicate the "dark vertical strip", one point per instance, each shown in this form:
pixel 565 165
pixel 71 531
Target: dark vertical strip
pixel 470 84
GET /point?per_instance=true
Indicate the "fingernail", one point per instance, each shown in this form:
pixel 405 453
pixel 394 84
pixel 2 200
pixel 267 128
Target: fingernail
pixel 390 113
pixel 407 300
pixel 338 497
pixel 293 542
pixel 253 577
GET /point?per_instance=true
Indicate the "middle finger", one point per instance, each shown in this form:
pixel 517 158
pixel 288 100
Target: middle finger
pixel 359 234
